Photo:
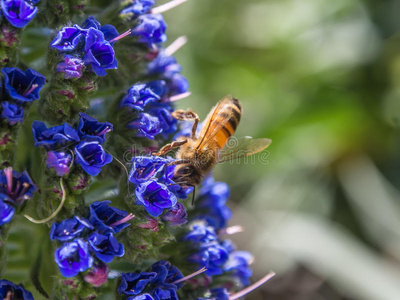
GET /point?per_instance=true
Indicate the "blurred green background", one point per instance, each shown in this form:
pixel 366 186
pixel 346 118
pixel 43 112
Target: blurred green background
pixel 321 79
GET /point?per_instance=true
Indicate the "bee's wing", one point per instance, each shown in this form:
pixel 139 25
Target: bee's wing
pixel 213 124
pixel 243 147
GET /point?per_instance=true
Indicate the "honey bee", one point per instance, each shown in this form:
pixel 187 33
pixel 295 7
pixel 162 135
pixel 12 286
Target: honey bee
pixel 197 155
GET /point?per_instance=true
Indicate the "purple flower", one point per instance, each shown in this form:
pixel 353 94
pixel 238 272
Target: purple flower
pixel 15 187
pixel 12 112
pixel 68 229
pixel 53 137
pixel 166 273
pixel 73 257
pixel 238 264
pixel 106 218
pixel 59 161
pixel 23 86
pixel 147 125
pixel 165 293
pixel 91 157
pixel 18 12
pixel 163 64
pixel 145 168
pixel 105 247
pixel 99 53
pixel 97 275
pixel 71 67
pixel 109 31
pixel 6 210
pixel 9 289
pixel 134 283
pixel 141 297
pixel 91 129
pixel 151 29
pixel 217 294
pixel 138 7
pixel 155 197
pixel 69 39
pixel 176 215
pixel 141 94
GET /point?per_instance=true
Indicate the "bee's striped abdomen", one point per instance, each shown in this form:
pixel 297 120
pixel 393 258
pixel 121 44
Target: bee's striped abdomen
pixel 232 114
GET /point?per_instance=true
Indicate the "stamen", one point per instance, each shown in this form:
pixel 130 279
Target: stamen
pixel 123 220
pixel 179 97
pixel 64 196
pixel 190 276
pixel 167 6
pixel 231 230
pixel 126 33
pixel 9 177
pixel 33 87
pixel 176 45
pixel 252 287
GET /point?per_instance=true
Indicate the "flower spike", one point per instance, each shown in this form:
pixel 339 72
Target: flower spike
pixel 252 287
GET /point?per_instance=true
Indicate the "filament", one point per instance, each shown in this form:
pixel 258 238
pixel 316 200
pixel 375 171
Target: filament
pixel 33 87
pixel 190 276
pixel 252 287
pixel 175 45
pixel 167 6
pixel 179 97
pixel 124 220
pixel 55 212
pixel 126 33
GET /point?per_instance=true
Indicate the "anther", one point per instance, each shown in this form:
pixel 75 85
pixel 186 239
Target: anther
pixel 33 87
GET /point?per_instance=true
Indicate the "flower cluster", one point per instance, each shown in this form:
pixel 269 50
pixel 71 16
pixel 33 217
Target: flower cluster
pixel 90 242
pixel 19 12
pixel 15 188
pixel 86 141
pixel 155 116
pixel 159 283
pixel 156 190
pixel 9 290
pixel 21 88
pixel 88 44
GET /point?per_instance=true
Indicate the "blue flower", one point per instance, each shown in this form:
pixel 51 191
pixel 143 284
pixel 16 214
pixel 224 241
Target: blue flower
pixel 176 215
pixel 165 293
pixel 134 283
pixel 23 86
pixel 106 218
pixel 151 29
pixel 73 257
pixel 217 294
pixel 146 168
pixel 201 233
pixel 105 247
pixel 9 289
pixel 69 39
pixel 109 31
pixel 90 129
pixel 18 12
pixel 238 264
pixel 59 161
pixel 212 256
pixel 155 197
pixel 163 64
pixel 138 7
pixel 6 210
pixel 12 112
pixel 166 273
pixel 71 67
pixel 99 53
pixel 68 229
pixel 91 157
pixel 17 187
pixel 53 137
pixel 141 297
pixel 163 113
pixel 148 126
pixel 178 84
pixel 141 94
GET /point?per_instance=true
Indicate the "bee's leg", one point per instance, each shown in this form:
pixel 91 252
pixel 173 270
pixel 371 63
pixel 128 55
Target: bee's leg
pixel 187 115
pixel 169 147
